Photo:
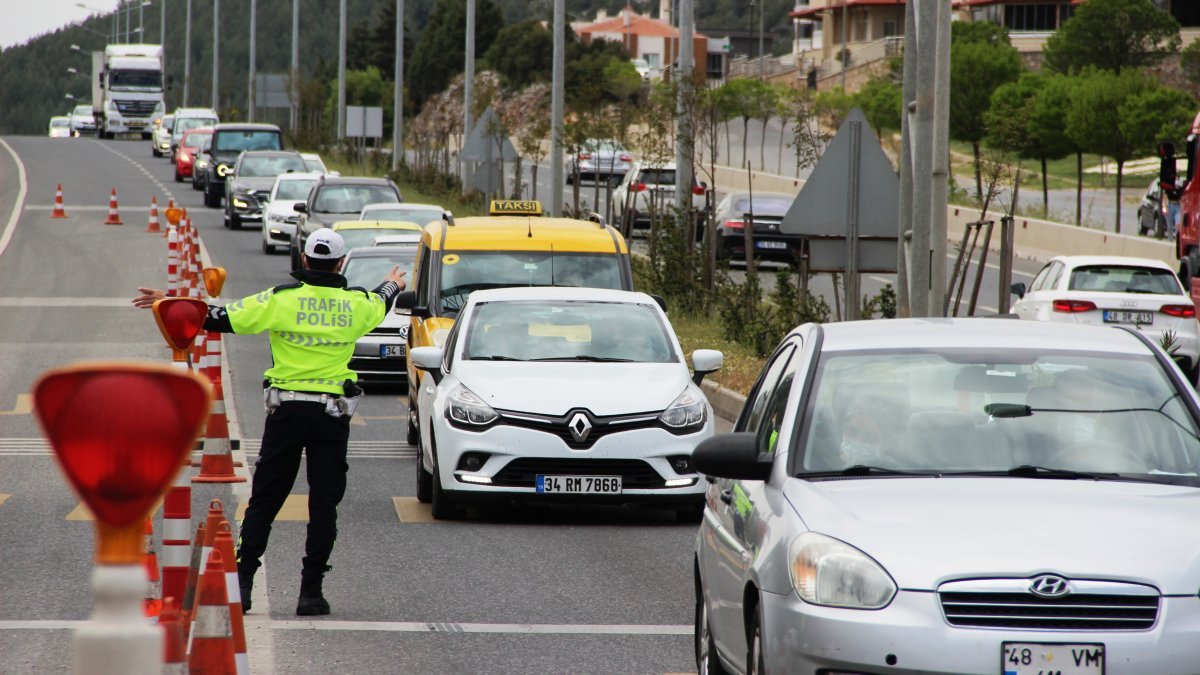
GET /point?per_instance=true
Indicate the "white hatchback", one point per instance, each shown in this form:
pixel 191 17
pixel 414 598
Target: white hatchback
pixel 1113 290
pixel 561 394
pixel 279 223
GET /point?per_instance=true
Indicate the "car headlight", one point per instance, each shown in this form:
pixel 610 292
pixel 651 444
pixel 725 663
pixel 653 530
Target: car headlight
pixel 240 203
pixel 464 407
pixel 686 411
pixel 185 158
pixel 832 573
pixel 222 170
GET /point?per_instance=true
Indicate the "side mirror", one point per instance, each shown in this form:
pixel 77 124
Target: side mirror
pixel 428 359
pixel 732 456
pixel 705 361
pixel 407 301
pixel 300 207
pixel 662 302
pixel 1018 289
pixel 596 218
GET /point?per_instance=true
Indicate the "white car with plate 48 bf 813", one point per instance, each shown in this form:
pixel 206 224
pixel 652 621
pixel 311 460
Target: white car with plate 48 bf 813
pixel 561 394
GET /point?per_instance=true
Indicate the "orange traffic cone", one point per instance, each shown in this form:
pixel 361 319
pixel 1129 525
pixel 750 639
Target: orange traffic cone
pixel 59 211
pixel 152 226
pixel 211 640
pixel 224 545
pixel 216 465
pixel 114 218
pixel 174 644
pixel 153 603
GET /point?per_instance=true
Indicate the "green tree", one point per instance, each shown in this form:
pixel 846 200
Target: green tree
pixel 1112 35
pixel 440 51
pixel 1015 124
pixel 880 100
pixel 1124 115
pixel 1189 63
pixel 746 97
pixel 980 32
pixel 522 53
pixel 1047 122
pixel 976 70
pixel 622 82
pixel 832 105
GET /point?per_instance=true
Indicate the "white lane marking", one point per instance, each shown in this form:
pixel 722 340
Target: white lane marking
pixel 11 226
pixel 166 190
pixel 102 209
pixel 45 624
pixel 508 628
pixel 65 302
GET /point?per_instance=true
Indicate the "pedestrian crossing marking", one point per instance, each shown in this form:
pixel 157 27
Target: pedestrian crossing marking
pixel 82 513
pixel 24 406
pixel 295 508
pixel 409 510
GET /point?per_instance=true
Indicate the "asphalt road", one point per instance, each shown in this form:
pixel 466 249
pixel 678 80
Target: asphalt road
pixel 603 590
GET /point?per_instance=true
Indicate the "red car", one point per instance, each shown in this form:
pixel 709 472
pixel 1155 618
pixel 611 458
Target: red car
pixel 194 140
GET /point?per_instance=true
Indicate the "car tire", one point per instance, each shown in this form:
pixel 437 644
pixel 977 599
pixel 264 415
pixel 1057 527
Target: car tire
pixel 707 661
pixel 424 483
pixel 295 258
pixel 414 436
pixel 268 249
pixel 146 137
pixel 235 221
pixel 155 153
pixel 178 176
pixel 755 659
pixel 442 506
pixel 211 199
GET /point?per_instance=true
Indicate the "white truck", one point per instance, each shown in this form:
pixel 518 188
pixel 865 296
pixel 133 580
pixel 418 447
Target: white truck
pixel 127 89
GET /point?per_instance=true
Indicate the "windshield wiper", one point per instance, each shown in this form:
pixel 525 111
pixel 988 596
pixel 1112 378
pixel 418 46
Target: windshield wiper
pixel 1034 471
pixel 585 357
pixel 864 470
pixel 494 357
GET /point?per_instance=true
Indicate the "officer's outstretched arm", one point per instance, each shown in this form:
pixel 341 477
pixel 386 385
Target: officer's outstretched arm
pixel 217 319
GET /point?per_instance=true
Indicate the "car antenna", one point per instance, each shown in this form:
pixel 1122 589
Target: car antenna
pixel 551 264
pixel 529 226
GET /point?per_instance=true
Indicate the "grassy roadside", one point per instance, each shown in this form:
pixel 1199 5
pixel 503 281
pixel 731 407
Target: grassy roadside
pixel 1061 173
pixel 410 191
pixel 741 365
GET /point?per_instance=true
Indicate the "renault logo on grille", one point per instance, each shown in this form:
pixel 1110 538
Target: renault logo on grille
pixel 1049 586
pixel 580 427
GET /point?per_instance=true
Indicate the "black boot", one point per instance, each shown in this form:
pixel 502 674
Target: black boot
pixel 312 602
pixel 245 584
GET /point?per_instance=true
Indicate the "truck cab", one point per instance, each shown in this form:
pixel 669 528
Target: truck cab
pixel 127 89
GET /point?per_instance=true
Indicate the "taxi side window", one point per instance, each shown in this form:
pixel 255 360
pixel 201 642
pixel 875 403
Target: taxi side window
pixel 423 270
pixel 753 413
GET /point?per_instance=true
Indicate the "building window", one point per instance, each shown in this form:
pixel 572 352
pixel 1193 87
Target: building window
pixel 1034 18
pixel 889 29
pixel 860 27
pixel 653 60
pixel 715 66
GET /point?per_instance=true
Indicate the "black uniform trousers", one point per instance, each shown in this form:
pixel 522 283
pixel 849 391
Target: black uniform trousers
pixel 293 427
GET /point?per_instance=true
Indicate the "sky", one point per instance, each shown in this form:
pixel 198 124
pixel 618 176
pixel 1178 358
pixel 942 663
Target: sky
pixel 26 19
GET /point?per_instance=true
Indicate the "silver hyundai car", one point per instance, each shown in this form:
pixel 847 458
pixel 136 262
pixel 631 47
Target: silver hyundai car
pixel 955 496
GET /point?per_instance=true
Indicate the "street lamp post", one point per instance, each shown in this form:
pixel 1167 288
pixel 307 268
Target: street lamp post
pixel 216 52
pixel 295 65
pixel 250 98
pixel 398 94
pixel 113 38
pixel 187 52
pixel 341 113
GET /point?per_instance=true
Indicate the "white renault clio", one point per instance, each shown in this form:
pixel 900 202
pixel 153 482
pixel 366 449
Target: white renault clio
pixel 561 394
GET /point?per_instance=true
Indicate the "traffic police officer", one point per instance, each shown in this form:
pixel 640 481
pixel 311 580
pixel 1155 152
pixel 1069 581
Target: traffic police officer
pixel 310 396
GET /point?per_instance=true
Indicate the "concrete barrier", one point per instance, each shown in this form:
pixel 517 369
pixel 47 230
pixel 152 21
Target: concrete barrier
pixel 1034 239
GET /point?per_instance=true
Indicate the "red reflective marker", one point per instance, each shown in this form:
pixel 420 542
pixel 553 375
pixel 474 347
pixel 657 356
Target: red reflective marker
pixel 120 432
pixel 180 320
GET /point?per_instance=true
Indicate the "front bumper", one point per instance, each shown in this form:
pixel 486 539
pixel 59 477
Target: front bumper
pixel 803 638
pixel 369 364
pixel 279 233
pixel 766 247
pixel 246 208
pixel 516 455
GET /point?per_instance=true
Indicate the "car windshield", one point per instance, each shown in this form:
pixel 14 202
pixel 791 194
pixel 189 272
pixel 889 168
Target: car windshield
pixel 606 147
pixel 657 176
pixel 971 411
pixel 351 198
pixel 419 216
pixel 60 122
pixel 567 331
pixel 1124 279
pixel 466 271
pixel 135 79
pixel 230 141
pixel 314 164
pixel 762 206
pixel 269 166
pixel 366 236
pixel 185 123
pixel 294 189
pixel 369 271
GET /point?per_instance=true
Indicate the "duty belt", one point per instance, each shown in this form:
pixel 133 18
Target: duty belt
pixel 289 395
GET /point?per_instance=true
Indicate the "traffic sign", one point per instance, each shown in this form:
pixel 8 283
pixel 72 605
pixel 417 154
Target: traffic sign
pixel 214 280
pixel 180 320
pixel 120 432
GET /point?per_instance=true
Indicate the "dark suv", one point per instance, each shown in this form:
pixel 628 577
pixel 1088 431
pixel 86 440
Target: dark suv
pixel 229 141
pixel 336 198
pixel 248 186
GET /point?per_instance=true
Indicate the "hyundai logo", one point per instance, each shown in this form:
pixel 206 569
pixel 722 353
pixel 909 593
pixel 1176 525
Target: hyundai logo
pixel 1049 586
pixel 580 427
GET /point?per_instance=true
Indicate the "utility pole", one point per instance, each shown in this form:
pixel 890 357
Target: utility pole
pixel 556 111
pixel 216 54
pixel 295 65
pixel 341 115
pixel 684 140
pixel 162 24
pixel 468 88
pixel 845 56
pixel 398 100
pixel 903 292
pixel 141 22
pixel 187 53
pixel 250 102
pixel 762 55
pixel 940 182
